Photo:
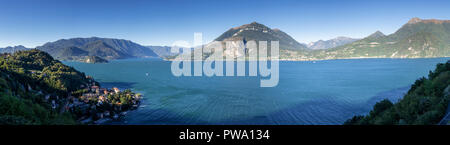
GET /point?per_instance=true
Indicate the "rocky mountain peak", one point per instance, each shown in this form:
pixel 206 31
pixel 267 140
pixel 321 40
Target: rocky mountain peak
pixel 259 32
pixel 414 20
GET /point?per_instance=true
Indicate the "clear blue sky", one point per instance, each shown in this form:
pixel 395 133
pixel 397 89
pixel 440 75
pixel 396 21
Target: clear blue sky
pixel 33 22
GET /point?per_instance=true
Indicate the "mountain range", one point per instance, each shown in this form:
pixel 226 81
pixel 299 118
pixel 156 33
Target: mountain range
pixel 415 39
pixel 107 48
pixel 12 49
pixel 325 44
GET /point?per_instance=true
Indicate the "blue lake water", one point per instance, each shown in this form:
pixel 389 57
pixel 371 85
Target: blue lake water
pixel 321 92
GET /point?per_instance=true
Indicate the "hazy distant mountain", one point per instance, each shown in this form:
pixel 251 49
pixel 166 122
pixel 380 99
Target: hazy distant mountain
pixel 259 32
pixel 13 49
pixel 321 44
pixel 75 48
pixel 417 38
pixel 162 51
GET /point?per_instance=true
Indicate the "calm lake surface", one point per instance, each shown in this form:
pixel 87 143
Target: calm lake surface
pixel 321 92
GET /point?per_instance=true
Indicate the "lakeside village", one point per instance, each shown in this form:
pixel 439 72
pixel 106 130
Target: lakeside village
pixel 95 105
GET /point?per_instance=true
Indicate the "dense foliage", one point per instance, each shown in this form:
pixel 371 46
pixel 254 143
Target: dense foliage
pixel 13 49
pixel 25 78
pixel 40 71
pixel 37 89
pixel 424 104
